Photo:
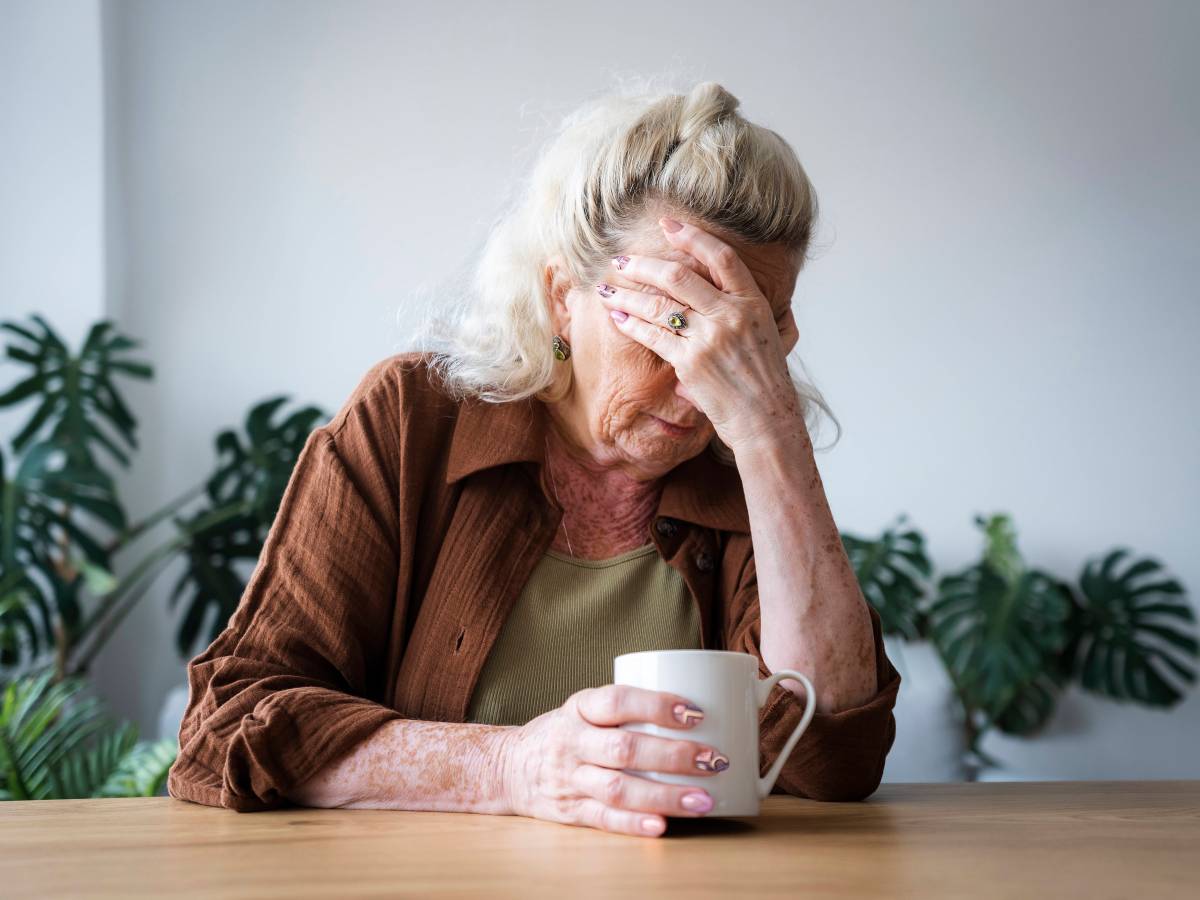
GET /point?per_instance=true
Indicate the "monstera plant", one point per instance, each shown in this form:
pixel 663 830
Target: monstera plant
pixel 63 530
pixel 1012 637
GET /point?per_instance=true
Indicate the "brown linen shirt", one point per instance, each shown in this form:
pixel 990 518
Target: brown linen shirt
pixel 407 530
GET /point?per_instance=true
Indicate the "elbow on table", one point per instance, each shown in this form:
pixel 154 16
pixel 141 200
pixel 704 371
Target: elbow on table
pixel 838 781
pixel 214 767
pixel 854 787
pixel 185 781
pixel 845 787
pixel 192 783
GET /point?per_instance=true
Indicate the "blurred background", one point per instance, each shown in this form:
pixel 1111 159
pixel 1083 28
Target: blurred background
pixel 1001 310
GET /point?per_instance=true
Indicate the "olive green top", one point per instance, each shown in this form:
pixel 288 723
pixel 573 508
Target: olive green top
pixel 572 617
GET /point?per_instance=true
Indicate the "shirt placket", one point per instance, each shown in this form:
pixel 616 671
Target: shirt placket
pixel 691 551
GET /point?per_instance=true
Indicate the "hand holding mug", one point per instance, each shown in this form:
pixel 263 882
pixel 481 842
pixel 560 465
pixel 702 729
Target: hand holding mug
pixel 726 685
pixel 566 764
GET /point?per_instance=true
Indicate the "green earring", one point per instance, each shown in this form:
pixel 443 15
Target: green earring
pixel 562 350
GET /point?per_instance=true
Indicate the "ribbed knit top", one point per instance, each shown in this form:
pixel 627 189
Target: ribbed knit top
pixel 572 617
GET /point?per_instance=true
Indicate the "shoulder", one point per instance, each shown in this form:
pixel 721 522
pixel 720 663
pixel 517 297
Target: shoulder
pixel 397 411
pixel 393 391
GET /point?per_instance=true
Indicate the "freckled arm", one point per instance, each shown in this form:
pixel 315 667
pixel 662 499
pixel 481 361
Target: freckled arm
pixel 810 621
pixel 287 702
pixel 417 765
pixel 814 616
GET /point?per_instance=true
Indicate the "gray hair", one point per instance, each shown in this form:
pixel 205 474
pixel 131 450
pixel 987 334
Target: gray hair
pixel 591 182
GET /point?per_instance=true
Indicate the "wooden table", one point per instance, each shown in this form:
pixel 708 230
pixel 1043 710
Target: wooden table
pixel 1030 839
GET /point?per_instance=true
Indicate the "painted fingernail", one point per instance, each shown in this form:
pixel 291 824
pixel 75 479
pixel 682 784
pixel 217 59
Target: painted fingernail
pixel 711 761
pixel 620 261
pixel 687 714
pixel 697 802
pixel 653 826
pixel 605 290
pixel 619 314
pixel 669 224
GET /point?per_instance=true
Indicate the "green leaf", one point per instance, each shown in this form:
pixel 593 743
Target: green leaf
pixel 40 722
pixel 36 530
pixel 244 493
pixel 1131 645
pixel 1000 627
pixel 57 743
pixel 99 580
pixel 27 388
pixel 142 772
pixel 76 391
pixel 892 570
pixel 84 772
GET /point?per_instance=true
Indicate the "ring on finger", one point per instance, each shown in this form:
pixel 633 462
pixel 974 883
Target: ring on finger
pixel 676 321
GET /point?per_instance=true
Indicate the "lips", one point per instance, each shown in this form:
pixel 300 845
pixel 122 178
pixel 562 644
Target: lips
pixel 680 426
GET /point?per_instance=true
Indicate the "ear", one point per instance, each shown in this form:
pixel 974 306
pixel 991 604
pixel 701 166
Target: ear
pixel 557 285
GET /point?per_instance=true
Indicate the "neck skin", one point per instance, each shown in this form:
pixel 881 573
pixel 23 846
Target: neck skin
pixel 605 511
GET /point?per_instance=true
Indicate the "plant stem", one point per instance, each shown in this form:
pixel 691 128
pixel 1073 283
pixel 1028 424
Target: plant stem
pixel 61 650
pixel 117 613
pixel 129 534
pixel 110 600
pixel 105 630
pixel 8 535
pixel 973 733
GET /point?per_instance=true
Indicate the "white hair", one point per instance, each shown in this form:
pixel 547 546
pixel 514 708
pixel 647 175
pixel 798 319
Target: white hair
pixel 590 184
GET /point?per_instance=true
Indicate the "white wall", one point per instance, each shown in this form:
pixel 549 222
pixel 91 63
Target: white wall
pixel 1002 312
pixel 52 177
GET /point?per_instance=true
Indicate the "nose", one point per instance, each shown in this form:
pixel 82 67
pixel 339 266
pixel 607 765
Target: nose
pixel 683 392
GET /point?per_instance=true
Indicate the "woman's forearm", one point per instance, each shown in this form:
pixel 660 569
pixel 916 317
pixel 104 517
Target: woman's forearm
pixel 418 765
pixel 814 617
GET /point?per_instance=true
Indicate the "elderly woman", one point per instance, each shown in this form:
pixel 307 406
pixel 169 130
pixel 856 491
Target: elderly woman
pixel 606 454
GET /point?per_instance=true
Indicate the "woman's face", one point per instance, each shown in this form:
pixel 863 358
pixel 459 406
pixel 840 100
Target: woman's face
pixel 622 389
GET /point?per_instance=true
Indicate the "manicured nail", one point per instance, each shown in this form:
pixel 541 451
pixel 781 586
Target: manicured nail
pixel 605 290
pixel 669 224
pixel 619 314
pixel 711 761
pixel 653 826
pixel 697 802
pixel 687 714
pixel 620 261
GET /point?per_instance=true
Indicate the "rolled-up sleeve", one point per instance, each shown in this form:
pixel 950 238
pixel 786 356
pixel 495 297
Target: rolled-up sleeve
pixel 293 680
pixel 841 755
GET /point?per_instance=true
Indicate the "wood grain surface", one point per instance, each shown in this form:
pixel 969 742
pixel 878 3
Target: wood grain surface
pixel 1014 839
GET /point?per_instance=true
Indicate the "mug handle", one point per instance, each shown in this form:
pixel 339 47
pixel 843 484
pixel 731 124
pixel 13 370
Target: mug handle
pixel 762 692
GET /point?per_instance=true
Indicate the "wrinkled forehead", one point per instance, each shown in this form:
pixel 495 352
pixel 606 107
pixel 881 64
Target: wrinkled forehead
pixel 773 266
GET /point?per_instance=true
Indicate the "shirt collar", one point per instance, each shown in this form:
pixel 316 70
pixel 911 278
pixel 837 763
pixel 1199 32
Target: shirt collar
pixel 702 490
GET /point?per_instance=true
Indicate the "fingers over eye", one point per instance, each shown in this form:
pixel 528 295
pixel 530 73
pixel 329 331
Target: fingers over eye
pixel 665 344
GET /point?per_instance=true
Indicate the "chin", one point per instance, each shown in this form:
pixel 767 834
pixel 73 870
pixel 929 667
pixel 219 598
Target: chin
pixel 656 449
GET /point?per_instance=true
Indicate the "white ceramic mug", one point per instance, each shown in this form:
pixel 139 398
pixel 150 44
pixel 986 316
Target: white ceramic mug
pixel 726 687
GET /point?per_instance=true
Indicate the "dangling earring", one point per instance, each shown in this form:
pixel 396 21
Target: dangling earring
pixel 562 350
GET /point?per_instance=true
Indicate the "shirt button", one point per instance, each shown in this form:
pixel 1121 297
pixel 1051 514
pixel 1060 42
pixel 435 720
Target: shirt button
pixel 704 562
pixel 667 527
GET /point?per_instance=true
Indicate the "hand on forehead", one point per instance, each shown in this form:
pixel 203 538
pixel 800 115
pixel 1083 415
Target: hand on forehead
pixel 771 265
